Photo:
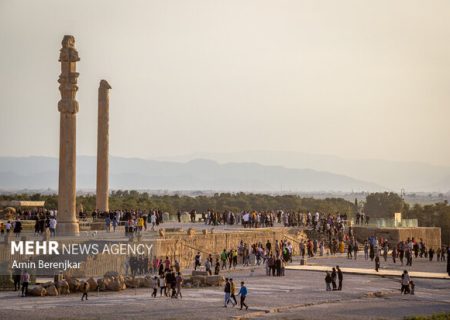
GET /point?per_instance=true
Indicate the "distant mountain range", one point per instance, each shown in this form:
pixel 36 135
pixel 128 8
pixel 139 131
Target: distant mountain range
pixel 197 174
pixel 393 175
pixel 258 171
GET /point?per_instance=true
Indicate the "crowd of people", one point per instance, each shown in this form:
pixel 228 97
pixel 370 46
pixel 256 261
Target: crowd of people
pixel 14 226
pixel 40 227
pixel 230 294
pixel 403 251
pixel 273 257
pixel 331 277
pixel 136 221
pixel 330 235
pixel 255 219
pixel 167 277
pixel 21 278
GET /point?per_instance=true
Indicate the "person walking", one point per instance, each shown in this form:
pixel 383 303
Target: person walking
pixel 52 226
pixel 84 290
pixel 366 250
pixel 355 250
pixel 340 277
pixel 16 278
pixel 162 286
pixel 8 226
pixel 243 293
pixel 208 267
pixel 333 278
pixel 227 291
pixel 217 267
pixel 155 286
pixel 224 258
pixel 328 281
pixel 179 280
pixel 412 286
pixel 114 223
pixel 377 263
pixel 153 221
pixel 107 224
pixel 17 228
pixel 197 260
pixel 394 253
pixel 25 279
pixel 405 282
pixel 233 291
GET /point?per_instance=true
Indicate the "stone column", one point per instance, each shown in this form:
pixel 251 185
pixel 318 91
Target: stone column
pixel 68 108
pixel 103 147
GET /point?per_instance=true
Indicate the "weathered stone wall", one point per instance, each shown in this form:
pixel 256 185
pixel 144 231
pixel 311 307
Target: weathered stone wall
pixel 181 246
pixel 431 236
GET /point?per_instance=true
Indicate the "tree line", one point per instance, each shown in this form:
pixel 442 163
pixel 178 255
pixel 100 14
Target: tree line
pixel 236 202
pixel 377 205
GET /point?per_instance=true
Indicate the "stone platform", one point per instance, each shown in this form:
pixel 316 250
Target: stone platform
pixel 381 272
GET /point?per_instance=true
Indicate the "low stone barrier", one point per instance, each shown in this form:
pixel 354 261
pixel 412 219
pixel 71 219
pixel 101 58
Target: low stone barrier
pixel 112 281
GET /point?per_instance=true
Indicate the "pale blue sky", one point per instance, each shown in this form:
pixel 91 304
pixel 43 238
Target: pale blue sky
pixel 355 78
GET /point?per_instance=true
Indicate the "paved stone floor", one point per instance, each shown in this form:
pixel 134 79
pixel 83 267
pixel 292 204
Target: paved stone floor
pixel 421 268
pixel 418 265
pixel 298 295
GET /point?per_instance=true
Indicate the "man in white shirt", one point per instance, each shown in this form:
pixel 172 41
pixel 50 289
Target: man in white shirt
pixel 8 226
pixel 52 227
pixel 246 219
pixel 153 220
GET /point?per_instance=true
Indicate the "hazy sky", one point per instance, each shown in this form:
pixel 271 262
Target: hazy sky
pixel 362 79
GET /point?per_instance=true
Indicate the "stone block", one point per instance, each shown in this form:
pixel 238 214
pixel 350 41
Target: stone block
pixel 111 274
pixel 198 281
pixel 37 291
pixel 101 284
pixel 215 280
pixel 147 282
pixel 132 283
pixel 63 287
pixel 52 291
pixel 93 285
pixel 74 284
pixel 115 285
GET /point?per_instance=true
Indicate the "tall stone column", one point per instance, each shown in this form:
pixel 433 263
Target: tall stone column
pixel 103 147
pixel 68 108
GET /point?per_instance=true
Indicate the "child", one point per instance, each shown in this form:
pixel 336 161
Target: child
pixel 162 286
pixel 155 286
pixel 412 285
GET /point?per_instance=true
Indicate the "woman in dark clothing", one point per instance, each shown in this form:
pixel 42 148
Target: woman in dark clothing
pixel 328 281
pixel 333 278
pixel 17 228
